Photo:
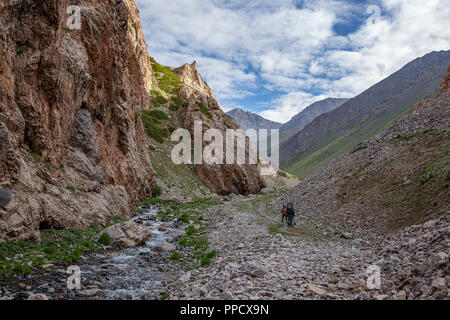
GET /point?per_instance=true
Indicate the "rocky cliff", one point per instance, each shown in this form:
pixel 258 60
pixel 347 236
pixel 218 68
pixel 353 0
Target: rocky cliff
pixel 72 147
pixel 201 105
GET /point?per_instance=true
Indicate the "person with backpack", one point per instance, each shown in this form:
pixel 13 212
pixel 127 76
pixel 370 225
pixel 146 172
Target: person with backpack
pixel 283 213
pixel 290 214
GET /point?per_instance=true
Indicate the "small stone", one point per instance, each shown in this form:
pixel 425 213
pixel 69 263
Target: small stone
pixel 347 235
pixel 439 283
pixel 412 242
pixel 316 290
pixel 381 297
pixel 430 224
pixel 439 260
pixel 401 295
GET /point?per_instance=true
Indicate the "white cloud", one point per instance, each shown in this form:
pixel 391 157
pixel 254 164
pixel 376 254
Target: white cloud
pixel 244 46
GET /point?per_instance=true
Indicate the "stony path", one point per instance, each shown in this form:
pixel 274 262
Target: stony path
pixel 253 264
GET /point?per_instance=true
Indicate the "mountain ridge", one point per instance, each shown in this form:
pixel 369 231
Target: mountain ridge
pixel 363 115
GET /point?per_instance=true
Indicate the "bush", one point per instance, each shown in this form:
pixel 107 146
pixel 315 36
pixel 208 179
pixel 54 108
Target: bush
pixel 173 107
pixel 157 191
pixel 105 239
pixel 21 49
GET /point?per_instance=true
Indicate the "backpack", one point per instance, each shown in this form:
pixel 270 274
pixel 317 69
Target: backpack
pixel 290 209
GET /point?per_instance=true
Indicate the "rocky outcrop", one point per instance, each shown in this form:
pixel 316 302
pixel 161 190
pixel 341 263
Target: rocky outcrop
pixel 72 148
pixel 446 82
pixel 202 106
pixel 193 81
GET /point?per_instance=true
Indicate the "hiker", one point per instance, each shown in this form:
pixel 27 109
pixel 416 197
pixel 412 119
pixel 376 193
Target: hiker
pixel 283 213
pixel 5 197
pixel 290 213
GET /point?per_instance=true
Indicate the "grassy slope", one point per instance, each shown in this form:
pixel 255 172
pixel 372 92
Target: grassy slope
pixel 309 161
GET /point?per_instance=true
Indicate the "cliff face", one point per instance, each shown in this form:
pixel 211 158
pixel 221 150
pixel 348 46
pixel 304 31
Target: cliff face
pixel 72 147
pixel 222 179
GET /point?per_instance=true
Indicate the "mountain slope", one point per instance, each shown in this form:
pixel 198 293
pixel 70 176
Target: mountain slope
pixel 339 131
pixel 397 178
pixel 302 119
pixel 248 120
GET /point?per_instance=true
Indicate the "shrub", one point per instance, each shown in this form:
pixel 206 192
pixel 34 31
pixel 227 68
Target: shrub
pixel 21 49
pixel 204 110
pixel 173 107
pixel 105 239
pixel 157 191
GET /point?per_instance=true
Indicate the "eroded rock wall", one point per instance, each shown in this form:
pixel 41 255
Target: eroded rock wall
pixel 73 149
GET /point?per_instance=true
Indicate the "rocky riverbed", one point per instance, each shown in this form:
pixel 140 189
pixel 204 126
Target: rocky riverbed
pixel 257 258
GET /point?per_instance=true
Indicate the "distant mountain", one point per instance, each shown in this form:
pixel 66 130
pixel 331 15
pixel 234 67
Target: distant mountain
pixel 302 119
pixel 339 131
pixel 248 120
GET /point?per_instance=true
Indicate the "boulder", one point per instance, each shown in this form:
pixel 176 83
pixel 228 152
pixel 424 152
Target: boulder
pixel 128 234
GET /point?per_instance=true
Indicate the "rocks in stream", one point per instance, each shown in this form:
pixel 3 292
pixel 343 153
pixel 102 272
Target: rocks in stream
pixel 128 234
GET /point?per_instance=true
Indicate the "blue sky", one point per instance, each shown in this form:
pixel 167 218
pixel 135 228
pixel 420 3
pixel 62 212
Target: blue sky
pixel 275 58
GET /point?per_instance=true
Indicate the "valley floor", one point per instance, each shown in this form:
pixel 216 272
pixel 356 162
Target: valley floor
pixel 257 257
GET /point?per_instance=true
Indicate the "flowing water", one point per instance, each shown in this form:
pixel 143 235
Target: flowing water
pixel 134 273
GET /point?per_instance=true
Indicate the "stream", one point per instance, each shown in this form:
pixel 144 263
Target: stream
pixel 115 274
pixel 133 273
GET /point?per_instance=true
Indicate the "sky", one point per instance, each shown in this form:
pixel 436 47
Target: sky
pixel 275 58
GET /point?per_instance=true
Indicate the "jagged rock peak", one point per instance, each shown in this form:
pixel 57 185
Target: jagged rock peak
pixel 446 82
pixel 189 74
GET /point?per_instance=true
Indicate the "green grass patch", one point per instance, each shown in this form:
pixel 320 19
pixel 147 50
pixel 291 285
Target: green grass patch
pixel 56 246
pixel 168 81
pixel 151 121
pixel 176 256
